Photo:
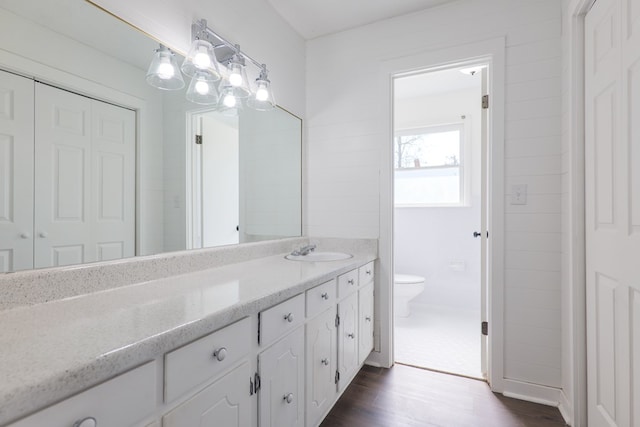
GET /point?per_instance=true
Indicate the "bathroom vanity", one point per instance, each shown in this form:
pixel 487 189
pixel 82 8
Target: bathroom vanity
pixel 261 341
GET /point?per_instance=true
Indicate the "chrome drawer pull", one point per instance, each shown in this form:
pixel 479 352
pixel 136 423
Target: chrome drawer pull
pixel 368 272
pixel 86 422
pixel 368 319
pixel 220 354
pixel 325 361
pixel 325 296
pixel 288 397
pixel 350 281
pixel 289 317
pixel 351 335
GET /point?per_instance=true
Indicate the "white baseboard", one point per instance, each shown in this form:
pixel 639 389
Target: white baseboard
pixel 536 393
pixel 566 409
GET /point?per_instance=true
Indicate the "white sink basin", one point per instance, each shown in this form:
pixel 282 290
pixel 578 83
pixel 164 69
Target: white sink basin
pixel 319 256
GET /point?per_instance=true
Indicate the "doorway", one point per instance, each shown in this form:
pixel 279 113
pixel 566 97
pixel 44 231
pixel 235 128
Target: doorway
pixel 440 205
pixel 214 150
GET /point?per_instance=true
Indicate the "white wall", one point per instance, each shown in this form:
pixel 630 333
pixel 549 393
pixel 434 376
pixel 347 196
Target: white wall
pixel 253 24
pixel 416 229
pixel 346 137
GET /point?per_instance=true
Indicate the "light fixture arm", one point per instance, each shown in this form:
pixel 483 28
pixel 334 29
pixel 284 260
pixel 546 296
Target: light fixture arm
pixel 200 30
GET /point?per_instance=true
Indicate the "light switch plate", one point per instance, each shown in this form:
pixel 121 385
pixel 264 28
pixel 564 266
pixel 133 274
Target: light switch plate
pixel 519 194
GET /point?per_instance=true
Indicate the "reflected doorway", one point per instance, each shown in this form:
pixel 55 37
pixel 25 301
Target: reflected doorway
pixel 215 179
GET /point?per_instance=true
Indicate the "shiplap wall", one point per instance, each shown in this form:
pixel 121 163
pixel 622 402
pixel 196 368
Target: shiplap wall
pixel 346 138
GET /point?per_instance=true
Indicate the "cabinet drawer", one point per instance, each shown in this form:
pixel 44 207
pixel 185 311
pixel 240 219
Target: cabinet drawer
pixel 280 319
pixel 122 401
pixel 366 273
pixel 204 359
pixel 320 298
pixel 347 283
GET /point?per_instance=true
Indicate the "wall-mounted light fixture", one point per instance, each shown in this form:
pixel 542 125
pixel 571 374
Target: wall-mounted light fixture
pixel 163 71
pixel 218 73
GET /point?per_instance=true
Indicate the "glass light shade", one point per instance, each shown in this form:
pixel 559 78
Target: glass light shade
pixel 229 103
pixel 262 99
pixel 236 78
pixel 202 90
pixel 201 59
pixel 163 72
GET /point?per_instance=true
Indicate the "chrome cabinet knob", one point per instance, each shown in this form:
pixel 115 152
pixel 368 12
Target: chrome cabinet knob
pixel 350 281
pixel 25 235
pixel 43 234
pixel 368 272
pixel 351 335
pixel 289 317
pixel 325 361
pixel 220 354
pixel 368 319
pixel 325 296
pixel 86 422
pixel 288 398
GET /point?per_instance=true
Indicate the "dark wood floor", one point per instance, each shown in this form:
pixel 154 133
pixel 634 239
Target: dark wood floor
pixel 404 396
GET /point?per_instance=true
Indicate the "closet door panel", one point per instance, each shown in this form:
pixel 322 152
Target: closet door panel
pixel 16 172
pixel 113 180
pixel 63 232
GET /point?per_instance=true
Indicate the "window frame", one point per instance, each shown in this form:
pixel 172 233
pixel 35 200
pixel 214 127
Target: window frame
pixel 464 163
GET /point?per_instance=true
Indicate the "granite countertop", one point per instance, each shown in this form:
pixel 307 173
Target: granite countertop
pixel 53 350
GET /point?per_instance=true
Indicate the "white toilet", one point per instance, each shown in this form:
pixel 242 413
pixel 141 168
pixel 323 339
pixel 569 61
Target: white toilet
pixel 405 288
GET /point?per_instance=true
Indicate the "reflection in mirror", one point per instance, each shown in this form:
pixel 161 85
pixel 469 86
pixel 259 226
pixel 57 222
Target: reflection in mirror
pixel 95 164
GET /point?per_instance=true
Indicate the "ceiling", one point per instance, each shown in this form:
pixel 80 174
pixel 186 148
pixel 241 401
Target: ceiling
pixel 315 18
pixel 434 83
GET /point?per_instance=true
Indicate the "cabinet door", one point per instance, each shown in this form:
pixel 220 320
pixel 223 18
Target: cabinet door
pixel 16 173
pixel 321 365
pixel 348 339
pixel 281 394
pixel 365 338
pixel 225 402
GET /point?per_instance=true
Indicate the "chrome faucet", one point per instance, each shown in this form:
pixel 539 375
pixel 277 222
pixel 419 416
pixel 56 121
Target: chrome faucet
pixel 305 250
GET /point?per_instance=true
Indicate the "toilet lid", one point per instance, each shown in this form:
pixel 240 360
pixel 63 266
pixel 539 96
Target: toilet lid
pixel 407 278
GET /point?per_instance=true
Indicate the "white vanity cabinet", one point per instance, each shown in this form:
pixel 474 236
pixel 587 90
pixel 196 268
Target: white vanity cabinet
pixel 281 395
pixel 347 340
pixel 123 401
pixel 226 402
pixel 322 352
pixel 365 322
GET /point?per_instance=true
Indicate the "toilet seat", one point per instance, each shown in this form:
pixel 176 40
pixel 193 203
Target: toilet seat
pixel 407 279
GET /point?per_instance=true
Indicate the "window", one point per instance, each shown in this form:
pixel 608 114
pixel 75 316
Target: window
pixel 429 166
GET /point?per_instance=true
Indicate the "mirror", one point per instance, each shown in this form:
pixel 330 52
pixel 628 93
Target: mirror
pixel 95 164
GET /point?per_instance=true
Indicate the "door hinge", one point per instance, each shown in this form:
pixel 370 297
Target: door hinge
pixel 259 318
pixel 251 389
pixel 485 102
pixel 337 376
pixel 485 328
pixel 199 139
pixel 337 320
pixel 257 383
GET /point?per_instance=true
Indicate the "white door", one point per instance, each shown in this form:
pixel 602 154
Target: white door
pixel 365 322
pixel 16 172
pixel 84 179
pixel 612 181
pixel 321 350
pixel 62 176
pixel 113 152
pixel 348 339
pixel 226 403
pixel 281 395
pixel 220 181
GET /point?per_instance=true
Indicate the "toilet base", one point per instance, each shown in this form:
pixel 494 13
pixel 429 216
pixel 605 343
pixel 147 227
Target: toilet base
pixel 401 308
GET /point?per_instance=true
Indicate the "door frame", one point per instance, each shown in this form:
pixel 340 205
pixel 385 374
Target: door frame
pixel 491 51
pixel 574 407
